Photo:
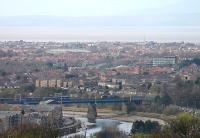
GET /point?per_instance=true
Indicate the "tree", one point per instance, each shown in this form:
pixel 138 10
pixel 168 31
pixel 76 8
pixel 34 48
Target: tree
pixel 155 89
pixel 152 127
pixel 111 132
pixel 186 126
pixel 147 127
pixel 137 127
pixel 165 99
pixel 28 88
pixel 49 64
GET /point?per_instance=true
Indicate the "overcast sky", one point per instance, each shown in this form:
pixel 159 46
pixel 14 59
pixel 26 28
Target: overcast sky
pixel 96 7
pixel 159 16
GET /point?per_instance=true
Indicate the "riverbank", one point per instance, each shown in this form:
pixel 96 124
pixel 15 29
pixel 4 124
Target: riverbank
pixel 117 115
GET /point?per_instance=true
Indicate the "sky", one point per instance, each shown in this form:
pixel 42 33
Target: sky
pixel 154 19
pixel 77 8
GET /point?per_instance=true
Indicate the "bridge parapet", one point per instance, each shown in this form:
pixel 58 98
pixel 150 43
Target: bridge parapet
pixel 36 100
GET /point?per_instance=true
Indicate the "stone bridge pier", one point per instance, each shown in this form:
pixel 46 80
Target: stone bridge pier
pixel 92 112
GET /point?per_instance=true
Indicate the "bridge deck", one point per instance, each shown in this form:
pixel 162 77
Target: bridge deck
pixel 59 100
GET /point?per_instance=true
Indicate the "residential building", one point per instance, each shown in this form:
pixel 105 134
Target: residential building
pixel 164 61
pixel 52 83
pixel 43 83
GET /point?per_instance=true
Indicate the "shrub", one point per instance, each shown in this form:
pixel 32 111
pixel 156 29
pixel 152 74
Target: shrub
pixel 31 131
pixel 145 127
pixel 171 110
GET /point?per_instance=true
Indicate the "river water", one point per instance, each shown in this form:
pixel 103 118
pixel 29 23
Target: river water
pixel 123 126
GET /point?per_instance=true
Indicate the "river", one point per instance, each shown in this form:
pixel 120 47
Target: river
pixel 123 126
pixel 100 123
